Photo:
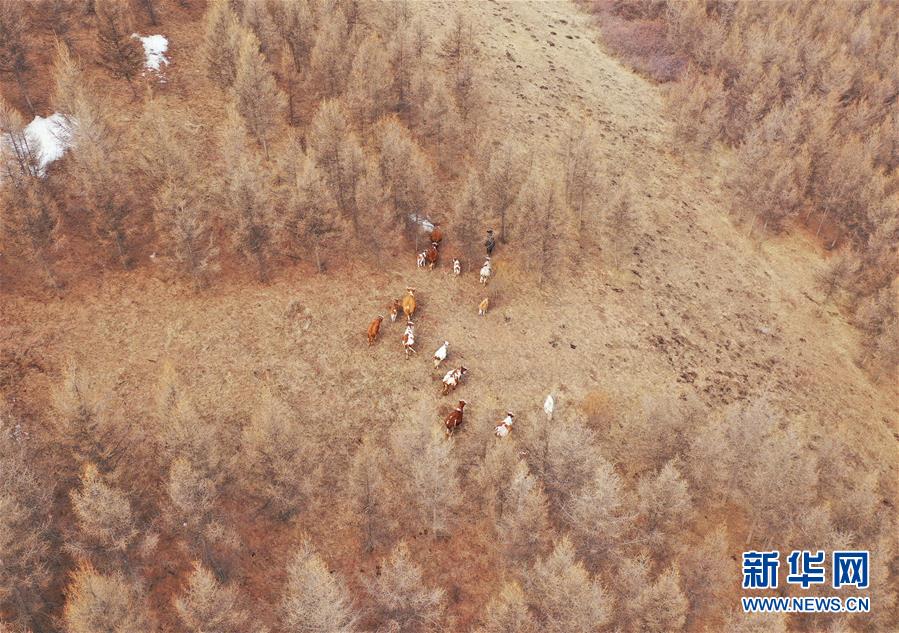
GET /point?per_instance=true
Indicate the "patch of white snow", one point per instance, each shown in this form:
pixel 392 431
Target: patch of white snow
pixel 155 47
pixel 48 138
pixel 422 221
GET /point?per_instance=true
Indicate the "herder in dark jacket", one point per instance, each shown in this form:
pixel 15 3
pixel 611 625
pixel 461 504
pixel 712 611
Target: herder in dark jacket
pixel 490 243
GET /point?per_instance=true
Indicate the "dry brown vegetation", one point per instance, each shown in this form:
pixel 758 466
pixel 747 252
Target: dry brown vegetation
pixel 805 95
pixel 195 437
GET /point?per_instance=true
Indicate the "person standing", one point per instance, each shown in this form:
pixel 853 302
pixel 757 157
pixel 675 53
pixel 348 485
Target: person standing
pixel 490 242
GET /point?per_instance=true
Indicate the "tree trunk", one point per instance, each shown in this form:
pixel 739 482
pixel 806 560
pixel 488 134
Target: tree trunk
pixel 318 259
pixel 21 82
pixel 120 248
pixel 151 11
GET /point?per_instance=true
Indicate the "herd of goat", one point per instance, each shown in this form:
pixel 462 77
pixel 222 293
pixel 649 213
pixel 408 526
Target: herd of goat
pixel 407 306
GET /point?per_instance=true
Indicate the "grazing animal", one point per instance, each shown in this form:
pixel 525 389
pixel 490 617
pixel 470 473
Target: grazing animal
pixel 502 429
pixel 409 339
pixel 409 303
pixel 431 255
pixel 421 259
pixel 486 271
pixel 394 307
pixel 373 329
pixel 440 354
pixel 482 306
pixel 548 406
pixel 490 243
pixel 457 267
pixel 436 235
pixel 452 379
pixel 454 419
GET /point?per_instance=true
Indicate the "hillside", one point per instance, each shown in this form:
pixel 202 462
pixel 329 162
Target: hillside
pixel 654 337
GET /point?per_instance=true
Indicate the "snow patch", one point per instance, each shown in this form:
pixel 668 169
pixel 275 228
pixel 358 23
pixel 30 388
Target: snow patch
pixel 155 47
pixel 422 221
pixel 48 138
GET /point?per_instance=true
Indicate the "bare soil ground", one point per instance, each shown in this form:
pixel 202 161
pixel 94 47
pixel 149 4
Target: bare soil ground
pixel 699 308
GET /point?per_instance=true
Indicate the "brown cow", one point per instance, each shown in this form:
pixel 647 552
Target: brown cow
pixel 373 329
pixel 409 303
pixel 454 419
pixel 394 307
pixel 436 234
pixel 482 306
pixel 431 255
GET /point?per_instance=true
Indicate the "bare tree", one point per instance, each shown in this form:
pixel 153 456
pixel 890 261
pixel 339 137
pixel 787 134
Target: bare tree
pixel 707 569
pixel 563 454
pixel 368 491
pixel 621 222
pixel 653 606
pixel 582 185
pixel 507 612
pixel 459 51
pixel 193 496
pixel 84 427
pixel 833 276
pixel 407 176
pixel 664 505
pixel 599 518
pixel 429 467
pixel 338 152
pixel 506 173
pixel 206 605
pixel 315 599
pixel 279 470
pixel 100 157
pixel 294 22
pixel 312 217
pixel 523 516
pixel 541 215
pixel 31 220
pixel 61 16
pixel 439 123
pixel 96 602
pixel 468 223
pixel 256 95
pixel 402 598
pixel 221 43
pixel 14 38
pixel 248 197
pixel 329 60
pixel 105 520
pixel 25 505
pixel 563 596
pixel 120 53
pixel 150 7
pixel 368 92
